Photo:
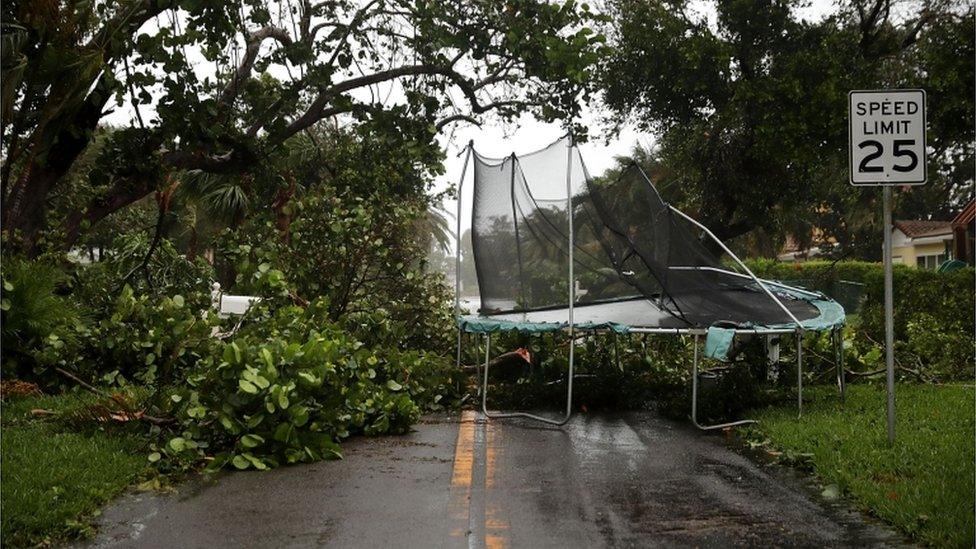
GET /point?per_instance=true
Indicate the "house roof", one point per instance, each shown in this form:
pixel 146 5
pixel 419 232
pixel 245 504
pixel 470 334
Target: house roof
pixel 918 228
pixel 966 216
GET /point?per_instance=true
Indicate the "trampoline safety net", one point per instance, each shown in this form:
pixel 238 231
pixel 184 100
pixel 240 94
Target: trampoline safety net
pixel 629 244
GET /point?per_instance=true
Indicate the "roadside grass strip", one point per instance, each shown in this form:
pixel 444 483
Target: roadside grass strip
pixel 54 480
pixel 923 485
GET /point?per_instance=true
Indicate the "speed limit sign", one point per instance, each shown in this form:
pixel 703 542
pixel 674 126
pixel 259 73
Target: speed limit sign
pixel 887 132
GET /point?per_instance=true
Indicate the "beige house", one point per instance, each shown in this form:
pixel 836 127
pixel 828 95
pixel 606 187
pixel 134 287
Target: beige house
pixel 921 243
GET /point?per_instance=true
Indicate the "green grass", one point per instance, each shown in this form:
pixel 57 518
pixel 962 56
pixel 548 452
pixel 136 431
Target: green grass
pixel 53 479
pixel 923 485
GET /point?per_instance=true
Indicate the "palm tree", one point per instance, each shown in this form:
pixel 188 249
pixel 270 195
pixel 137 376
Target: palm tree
pixel 435 226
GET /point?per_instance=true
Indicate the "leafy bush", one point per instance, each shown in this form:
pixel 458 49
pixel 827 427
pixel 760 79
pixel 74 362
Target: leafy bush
pixel 947 297
pixel 167 273
pixel 144 339
pixel 943 348
pixel 293 384
pixel 818 271
pixel 33 312
pixel 364 255
pixel 80 318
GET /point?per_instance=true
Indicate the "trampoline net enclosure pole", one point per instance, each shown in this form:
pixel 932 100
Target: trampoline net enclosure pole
pixel 457 255
pixel 572 283
pixel 694 383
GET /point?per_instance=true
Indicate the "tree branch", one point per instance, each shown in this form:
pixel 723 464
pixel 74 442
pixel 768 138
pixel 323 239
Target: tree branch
pixel 316 110
pixel 911 35
pixel 457 118
pixel 254 41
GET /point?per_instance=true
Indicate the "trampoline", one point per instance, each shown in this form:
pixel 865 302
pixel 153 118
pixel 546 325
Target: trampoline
pixel 558 250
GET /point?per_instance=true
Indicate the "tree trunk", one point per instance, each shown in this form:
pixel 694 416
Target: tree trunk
pixel 25 208
pixel 282 215
pixel 191 245
pixel 122 194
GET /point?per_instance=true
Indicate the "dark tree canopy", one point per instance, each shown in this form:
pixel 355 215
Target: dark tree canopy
pixel 752 111
pixel 218 87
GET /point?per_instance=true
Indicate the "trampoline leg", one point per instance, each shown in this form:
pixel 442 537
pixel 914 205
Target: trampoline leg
pixel 484 380
pixel 457 363
pixel 841 374
pixel 694 399
pixel 799 373
pixel 502 415
pixel 477 365
pixel 616 351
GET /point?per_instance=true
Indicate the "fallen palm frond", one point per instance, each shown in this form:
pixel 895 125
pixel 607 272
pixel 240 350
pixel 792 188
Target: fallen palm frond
pixel 118 406
pixel 16 387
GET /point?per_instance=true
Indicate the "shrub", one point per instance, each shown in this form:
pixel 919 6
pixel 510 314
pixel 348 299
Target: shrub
pixel 943 348
pixel 140 338
pixel 623 372
pixel 946 297
pixel 167 273
pixel 933 311
pixel 33 313
pixel 77 317
pixel 293 384
pixel 816 271
pixel 364 255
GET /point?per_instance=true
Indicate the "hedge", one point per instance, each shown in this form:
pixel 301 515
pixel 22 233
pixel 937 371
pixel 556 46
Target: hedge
pixel 934 318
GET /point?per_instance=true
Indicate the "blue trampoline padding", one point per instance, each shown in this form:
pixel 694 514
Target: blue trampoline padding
pixel 640 313
pixel 718 341
pixel 831 316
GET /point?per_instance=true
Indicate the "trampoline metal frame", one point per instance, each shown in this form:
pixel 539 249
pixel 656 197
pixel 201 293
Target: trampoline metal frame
pixel 836 335
pixel 570 328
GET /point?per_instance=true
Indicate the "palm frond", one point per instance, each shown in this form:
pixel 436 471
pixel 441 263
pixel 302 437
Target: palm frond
pixel 436 226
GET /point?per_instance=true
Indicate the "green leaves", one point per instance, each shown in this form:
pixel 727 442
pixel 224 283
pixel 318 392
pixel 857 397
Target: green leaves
pixel 240 462
pixel 257 379
pixel 250 441
pixel 248 460
pixel 232 353
pixel 247 387
pixel 290 397
pixel 177 444
pixel 757 99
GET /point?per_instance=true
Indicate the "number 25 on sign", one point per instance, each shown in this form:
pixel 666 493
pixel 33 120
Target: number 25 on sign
pixel 887 133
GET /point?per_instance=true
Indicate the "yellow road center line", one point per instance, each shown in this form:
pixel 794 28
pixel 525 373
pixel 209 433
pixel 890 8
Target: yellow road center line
pixel 496 527
pixel 464 451
pixel 493 528
pixel 462 472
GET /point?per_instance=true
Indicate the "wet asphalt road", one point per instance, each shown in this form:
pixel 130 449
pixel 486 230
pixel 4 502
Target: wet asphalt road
pixel 629 480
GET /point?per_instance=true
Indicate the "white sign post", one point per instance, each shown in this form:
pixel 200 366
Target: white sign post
pixel 887 147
